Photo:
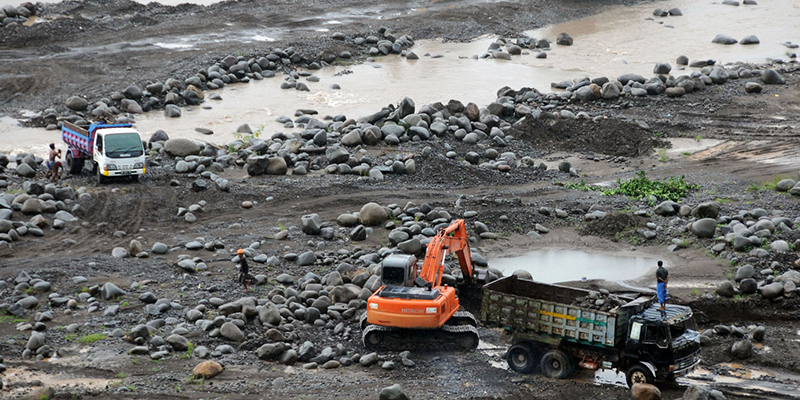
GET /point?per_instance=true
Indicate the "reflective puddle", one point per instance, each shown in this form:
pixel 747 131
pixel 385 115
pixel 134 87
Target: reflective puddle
pixel 552 266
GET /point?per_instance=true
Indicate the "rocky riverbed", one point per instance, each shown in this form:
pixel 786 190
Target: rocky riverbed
pixel 128 290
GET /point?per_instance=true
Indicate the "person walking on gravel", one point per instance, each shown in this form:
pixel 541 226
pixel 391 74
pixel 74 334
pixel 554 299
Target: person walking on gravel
pixel 662 278
pixel 244 270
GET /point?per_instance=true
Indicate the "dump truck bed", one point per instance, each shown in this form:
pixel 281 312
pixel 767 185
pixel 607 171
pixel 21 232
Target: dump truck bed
pixel 546 310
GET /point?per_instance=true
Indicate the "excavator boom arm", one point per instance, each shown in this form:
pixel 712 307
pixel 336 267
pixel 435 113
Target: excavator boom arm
pixel 452 239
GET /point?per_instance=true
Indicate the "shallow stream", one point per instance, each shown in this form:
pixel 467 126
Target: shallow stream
pixel 619 40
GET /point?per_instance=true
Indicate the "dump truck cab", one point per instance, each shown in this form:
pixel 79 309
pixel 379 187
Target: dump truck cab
pixel 118 151
pixel 664 342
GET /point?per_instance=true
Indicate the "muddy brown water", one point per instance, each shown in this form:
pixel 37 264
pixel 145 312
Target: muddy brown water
pixel 554 266
pixel 619 40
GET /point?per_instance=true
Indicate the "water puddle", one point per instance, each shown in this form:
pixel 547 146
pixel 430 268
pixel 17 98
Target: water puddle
pixel 18 379
pixel 496 355
pixel 683 147
pixel 746 381
pixel 553 266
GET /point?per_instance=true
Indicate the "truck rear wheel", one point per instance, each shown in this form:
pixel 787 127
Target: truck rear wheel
pixel 638 373
pixel 521 358
pixel 556 364
pixel 74 165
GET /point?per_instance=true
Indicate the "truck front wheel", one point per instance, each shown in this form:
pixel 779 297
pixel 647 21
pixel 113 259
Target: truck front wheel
pixel 556 364
pixel 521 358
pixel 638 373
pixel 101 179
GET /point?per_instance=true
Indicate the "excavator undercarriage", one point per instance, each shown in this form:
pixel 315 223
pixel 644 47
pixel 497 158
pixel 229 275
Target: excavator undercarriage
pixel 460 330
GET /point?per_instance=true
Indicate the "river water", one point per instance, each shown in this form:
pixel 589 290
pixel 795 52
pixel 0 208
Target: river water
pixel 554 266
pixel 619 40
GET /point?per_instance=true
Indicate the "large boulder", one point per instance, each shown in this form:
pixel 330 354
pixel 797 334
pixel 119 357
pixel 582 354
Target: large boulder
pixel 269 314
pixel 277 166
pixel 76 103
pixel 207 370
pixel 158 136
pixel 644 391
pixel 772 77
pixel 337 155
pixel 724 39
pixel 742 349
pixel 270 351
pixel 666 208
pixel 180 147
pixel 110 291
pixel 372 214
pixel 708 209
pixel 32 206
pixel 725 289
pixel 24 170
pixel 662 68
pixel 394 392
pixel 702 393
pixel 704 228
pixel 564 39
pixel 232 332
pixel 310 224
pixel 772 290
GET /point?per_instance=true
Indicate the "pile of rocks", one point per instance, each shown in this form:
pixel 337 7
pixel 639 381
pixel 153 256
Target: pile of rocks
pixel 11 16
pixel 600 300
pixel 514 47
pixel 634 85
pixel 337 146
pixel 766 283
pixel 46 205
pixel 742 345
pixel 173 93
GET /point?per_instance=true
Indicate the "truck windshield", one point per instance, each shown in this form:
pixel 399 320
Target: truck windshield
pixel 123 145
pixel 679 328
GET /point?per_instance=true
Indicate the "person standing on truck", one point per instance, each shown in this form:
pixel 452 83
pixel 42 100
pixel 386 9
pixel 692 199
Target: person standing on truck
pixel 662 278
pixel 244 270
pixel 53 165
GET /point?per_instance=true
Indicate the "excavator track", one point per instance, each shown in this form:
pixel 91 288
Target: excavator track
pixel 377 337
pixel 462 318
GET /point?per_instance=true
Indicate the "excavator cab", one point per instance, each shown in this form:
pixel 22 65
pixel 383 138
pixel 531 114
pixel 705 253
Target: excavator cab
pixel 399 270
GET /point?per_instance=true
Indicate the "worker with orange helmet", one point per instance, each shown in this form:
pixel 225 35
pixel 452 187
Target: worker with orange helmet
pixel 244 270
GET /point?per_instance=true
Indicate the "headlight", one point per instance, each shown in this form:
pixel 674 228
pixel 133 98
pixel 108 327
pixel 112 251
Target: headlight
pixel 110 167
pixel 138 165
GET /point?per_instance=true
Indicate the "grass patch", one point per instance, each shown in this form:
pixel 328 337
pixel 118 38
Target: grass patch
pixel 70 337
pixel 640 187
pixel 91 338
pixel 10 319
pixel 663 155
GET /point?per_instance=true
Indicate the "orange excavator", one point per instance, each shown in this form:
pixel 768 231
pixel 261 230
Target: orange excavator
pixel 412 304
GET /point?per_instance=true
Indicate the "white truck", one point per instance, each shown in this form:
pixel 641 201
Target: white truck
pixel 114 150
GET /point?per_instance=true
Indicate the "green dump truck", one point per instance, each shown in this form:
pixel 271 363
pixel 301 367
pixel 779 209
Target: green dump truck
pixel 549 332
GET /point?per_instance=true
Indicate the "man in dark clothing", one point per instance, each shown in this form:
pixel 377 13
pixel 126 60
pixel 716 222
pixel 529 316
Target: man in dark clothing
pixel 244 269
pixel 662 278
